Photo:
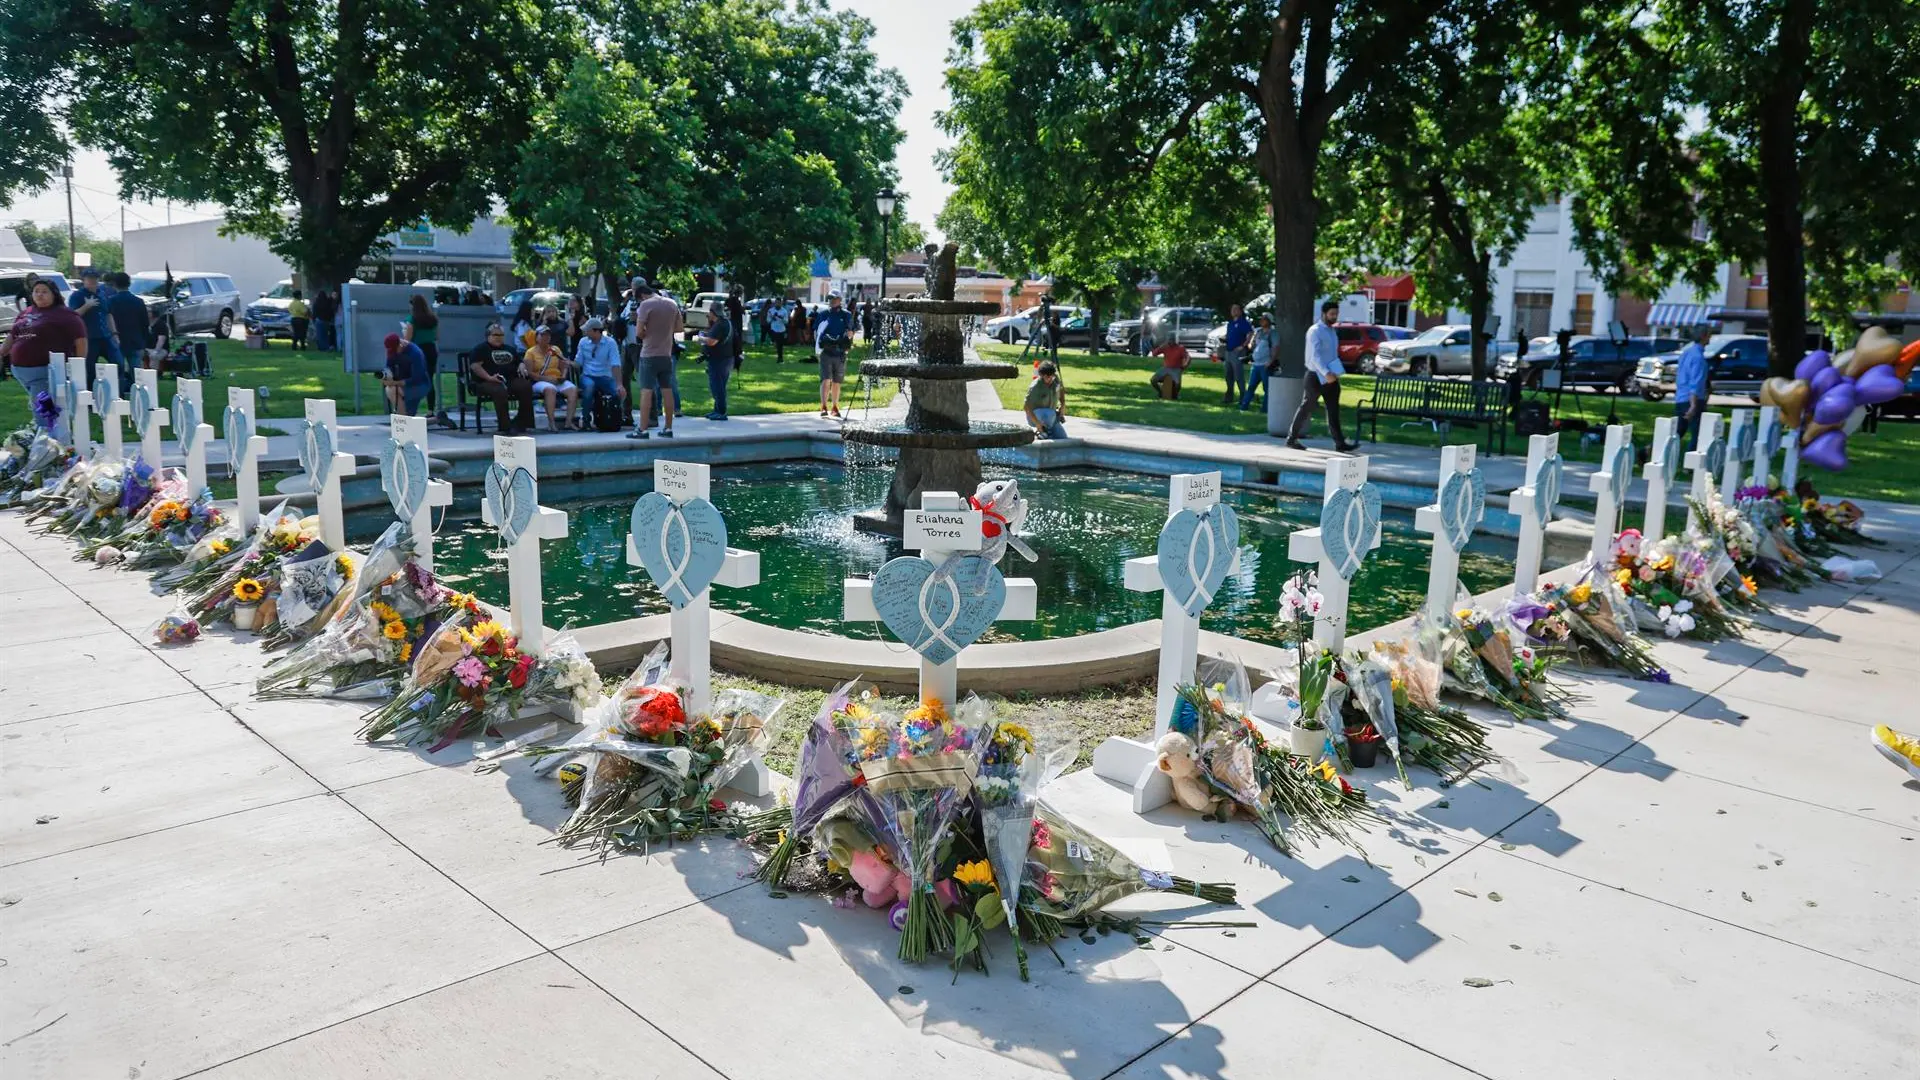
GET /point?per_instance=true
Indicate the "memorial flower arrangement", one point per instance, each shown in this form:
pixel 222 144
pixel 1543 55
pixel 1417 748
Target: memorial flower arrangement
pixel 278 538
pixel 1316 669
pixel 208 558
pixel 1600 624
pixel 1485 661
pixel 824 779
pixel 1431 732
pixel 1837 522
pixel 468 676
pixel 1745 531
pixel 1673 584
pixel 162 529
pixel 313 585
pixel 29 458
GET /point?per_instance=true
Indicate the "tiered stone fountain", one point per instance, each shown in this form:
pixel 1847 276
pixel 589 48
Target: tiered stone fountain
pixel 939 443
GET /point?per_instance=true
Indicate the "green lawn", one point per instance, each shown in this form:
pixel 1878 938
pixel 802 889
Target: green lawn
pixel 1114 387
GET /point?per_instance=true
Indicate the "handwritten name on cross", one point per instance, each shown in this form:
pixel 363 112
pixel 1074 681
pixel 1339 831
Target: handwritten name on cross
pixel 410 488
pixel 1349 528
pixel 512 506
pixel 325 467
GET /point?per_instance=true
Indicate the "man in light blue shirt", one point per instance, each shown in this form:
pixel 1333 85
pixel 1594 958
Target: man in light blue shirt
pixel 1690 387
pixel 1322 381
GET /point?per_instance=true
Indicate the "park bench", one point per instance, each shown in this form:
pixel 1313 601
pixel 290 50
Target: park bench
pixel 1438 401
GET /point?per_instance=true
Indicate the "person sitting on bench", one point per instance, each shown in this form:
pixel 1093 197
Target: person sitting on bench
pixel 495 372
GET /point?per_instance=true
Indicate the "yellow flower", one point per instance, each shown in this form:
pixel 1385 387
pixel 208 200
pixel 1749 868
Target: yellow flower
pixel 220 547
pixel 344 563
pixel 1012 734
pixel 1463 614
pixel 1623 577
pixel 932 709
pixel 384 612
pixel 406 651
pixel 1665 564
pixel 248 591
pixel 857 712
pixel 1325 769
pixel 977 872
pixel 1580 593
pixel 873 741
pixel 1747 583
pixel 394 631
pixel 484 630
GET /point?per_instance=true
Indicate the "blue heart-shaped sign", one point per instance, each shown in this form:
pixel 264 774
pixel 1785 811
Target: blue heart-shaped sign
pixel 403 477
pixel 511 500
pixel 106 391
pixel 239 428
pixel 142 400
pixel 1772 445
pixel 1546 489
pixel 1348 523
pixel 1743 440
pixel 1620 475
pixel 73 398
pixel 938 614
pixel 1670 456
pixel 1463 502
pixel 1196 550
pixel 1713 457
pixel 682 546
pixel 316 452
pixel 186 421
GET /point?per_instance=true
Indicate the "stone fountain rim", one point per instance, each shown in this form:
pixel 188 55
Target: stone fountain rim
pixel 970 370
pixel 939 307
pixel 976 438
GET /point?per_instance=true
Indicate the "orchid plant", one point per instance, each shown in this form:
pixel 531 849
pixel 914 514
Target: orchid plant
pixel 1300 605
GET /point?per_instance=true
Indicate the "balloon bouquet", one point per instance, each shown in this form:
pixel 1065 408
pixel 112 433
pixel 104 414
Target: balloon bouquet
pixel 1839 389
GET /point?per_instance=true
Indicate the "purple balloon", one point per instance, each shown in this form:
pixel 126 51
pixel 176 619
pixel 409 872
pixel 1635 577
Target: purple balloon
pixel 1877 385
pixel 1835 404
pixel 1812 364
pixel 1829 451
pixel 1824 380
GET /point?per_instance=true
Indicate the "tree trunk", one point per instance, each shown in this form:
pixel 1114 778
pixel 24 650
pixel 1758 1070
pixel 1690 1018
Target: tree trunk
pixel 1093 326
pixel 1294 279
pixel 1479 300
pixel 1780 182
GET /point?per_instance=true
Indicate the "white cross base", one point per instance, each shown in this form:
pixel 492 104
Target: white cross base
pixel 690 659
pixel 1606 509
pixel 80 423
pixel 1655 472
pixel 1526 559
pixel 1132 761
pixel 197 456
pixel 1443 571
pixel 1763 443
pixel 333 523
pixel 1730 472
pixel 527 609
pixel 157 418
pixel 413 429
pixel 246 481
pixel 1696 461
pixel 940 681
pixel 1307 545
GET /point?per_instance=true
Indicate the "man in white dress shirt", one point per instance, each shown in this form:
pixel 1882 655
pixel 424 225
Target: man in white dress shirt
pixel 1322 381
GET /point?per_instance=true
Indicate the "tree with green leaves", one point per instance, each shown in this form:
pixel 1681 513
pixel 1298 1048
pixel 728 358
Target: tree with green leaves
pixel 51 241
pixel 320 125
pixel 1063 110
pixel 1786 128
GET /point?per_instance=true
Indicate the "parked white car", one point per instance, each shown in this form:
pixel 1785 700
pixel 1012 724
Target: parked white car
pixel 1019 326
pixel 1440 350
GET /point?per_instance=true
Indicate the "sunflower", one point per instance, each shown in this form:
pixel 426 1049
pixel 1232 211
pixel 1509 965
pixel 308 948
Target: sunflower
pixel 220 547
pixel 978 872
pixel 930 709
pixel 484 630
pixel 395 630
pixel 343 563
pixel 248 591
pixel 383 612
pixel 406 651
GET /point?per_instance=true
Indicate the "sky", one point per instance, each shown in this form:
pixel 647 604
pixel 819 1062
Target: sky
pixel 910 36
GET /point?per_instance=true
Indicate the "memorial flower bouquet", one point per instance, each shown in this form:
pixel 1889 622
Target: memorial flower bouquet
pixel 1484 659
pixel 222 545
pixel 278 537
pixel 1838 522
pixel 1600 624
pixel 143 533
pixel 311 587
pixel 1316 669
pixel 28 460
pixel 1672 584
pixel 826 775
pixel 468 675
pixel 1018 761
pixel 1432 733
pixel 919 772
pixel 365 649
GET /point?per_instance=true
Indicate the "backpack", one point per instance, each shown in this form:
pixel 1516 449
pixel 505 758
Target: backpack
pixel 609 412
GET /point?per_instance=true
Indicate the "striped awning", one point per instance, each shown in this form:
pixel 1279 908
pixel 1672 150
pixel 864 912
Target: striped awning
pixel 1677 316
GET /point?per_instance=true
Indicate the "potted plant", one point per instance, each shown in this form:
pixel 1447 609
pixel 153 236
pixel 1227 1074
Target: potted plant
pixel 1300 603
pixel 1363 746
pixel 247 594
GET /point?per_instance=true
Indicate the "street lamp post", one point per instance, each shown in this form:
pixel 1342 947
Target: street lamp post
pixel 884 202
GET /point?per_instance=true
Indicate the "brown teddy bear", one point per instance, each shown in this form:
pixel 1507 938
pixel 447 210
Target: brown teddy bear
pixel 1180 760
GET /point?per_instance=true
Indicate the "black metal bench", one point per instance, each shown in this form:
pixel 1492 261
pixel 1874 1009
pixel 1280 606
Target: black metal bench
pixel 1473 404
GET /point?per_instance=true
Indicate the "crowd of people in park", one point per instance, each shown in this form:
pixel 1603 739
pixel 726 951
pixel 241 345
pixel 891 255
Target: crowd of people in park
pixel 102 320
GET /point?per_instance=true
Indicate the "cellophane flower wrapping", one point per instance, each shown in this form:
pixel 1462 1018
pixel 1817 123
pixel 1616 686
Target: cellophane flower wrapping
pixel 1372 684
pixel 1673 584
pixel 141 532
pixel 218 548
pixel 32 460
pixel 468 676
pixel 278 536
pixel 362 652
pixel 1600 623
pixel 919 772
pixel 825 783
pixel 1432 733
pixel 1022 757
pixel 1071 873
pixel 312 585
pixel 1511 676
pixel 565 679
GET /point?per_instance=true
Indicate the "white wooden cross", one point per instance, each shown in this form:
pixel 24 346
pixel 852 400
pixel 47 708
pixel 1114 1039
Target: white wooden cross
pixel 1131 761
pixel 244 448
pixel 57 390
pixel 80 408
pixel 411 432
pixel 944 526
pixel 688 486
pixel 325 468
pixel 1609 486
pixel 1661 469
pixel 1704 462
pixel 1349 528
pixel 112 408
pixel 1457 509
pixel 1533 503
pixel 189 412
pixel 513 506
pixel 1739 450
pixel 146 392
pixel 1790 465
pixel 1765 443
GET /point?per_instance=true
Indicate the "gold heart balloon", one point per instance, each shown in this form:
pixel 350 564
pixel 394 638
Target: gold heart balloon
pixel 1874 347
pixel 1814 431
pixel 1790 396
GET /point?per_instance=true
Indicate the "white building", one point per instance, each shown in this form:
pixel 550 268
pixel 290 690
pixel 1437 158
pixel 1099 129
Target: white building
pixel 482 255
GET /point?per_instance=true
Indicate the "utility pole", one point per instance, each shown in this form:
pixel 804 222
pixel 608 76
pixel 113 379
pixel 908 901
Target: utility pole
pixel 67 171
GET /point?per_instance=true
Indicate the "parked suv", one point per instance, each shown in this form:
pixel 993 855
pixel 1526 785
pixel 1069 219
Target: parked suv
pixel 1191 325
pixel 13 292
pixel 200 302
pixel 1736 364
pixel 1440 350
pixel 1017 327
pixel 268 316
pixel 1591 361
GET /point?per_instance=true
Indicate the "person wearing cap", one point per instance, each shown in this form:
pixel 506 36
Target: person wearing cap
pixel 89 301
pixel 494 372
pixel 832 336
pixel 660 323
pixel 1047 403
pixel 404 358
pixel 547 366
pixel 598 360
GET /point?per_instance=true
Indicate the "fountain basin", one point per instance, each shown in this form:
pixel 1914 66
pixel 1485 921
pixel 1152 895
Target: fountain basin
pixel 921 306
pixel 980 435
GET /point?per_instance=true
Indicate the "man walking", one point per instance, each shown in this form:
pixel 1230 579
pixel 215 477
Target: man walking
pixel 832 336
pixel 89 301
pixel 1322 382
pixel 1690 387
pixel 1239 337
pixel 717 348
pixel 659 322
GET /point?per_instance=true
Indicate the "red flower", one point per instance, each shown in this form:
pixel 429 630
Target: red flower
pixel 517 675
pixel 655 713
pixel 716 804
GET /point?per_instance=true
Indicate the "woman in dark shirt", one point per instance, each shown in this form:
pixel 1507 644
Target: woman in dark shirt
pixel 494 372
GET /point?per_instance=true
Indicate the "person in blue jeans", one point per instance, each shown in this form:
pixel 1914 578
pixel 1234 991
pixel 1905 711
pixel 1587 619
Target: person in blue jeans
pixel 716 347
pixel 1690 388
pixel 1264 339
pixel 598 358
pixel 1047 403
pixel 89 301
pixel 1239 336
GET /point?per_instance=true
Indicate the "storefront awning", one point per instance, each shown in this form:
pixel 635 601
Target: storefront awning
pixel 1677 316
pixel 1397 287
